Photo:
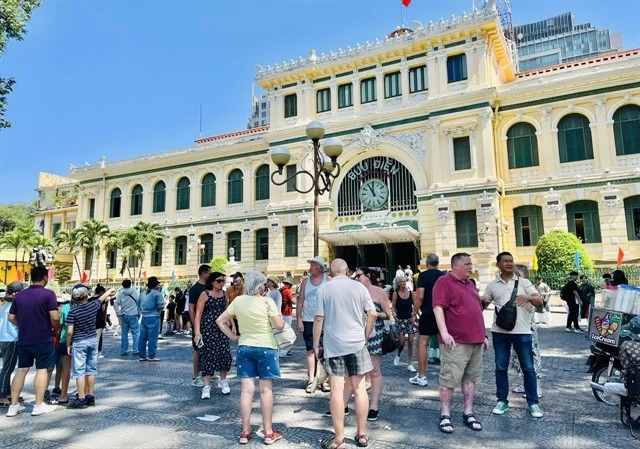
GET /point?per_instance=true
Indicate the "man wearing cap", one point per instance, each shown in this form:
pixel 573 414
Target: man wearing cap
pixel 306 311
pixel 35 311
pixel 274 292
pixel 8 343
pixel 150 303
pixel 237 286
pixel 287 300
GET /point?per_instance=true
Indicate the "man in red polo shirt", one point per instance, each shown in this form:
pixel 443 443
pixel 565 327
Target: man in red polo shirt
pixel 458 312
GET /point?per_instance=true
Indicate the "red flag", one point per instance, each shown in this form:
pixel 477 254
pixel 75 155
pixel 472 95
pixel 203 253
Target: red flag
pixel 83 279
pixel 620 256
pixel 19 274
pixel 406 3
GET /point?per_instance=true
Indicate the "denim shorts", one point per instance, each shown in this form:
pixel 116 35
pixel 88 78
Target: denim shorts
pixel 43 354
pixel 85 358
pixel 259 362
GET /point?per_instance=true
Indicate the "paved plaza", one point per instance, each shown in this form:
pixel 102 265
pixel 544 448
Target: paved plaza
pixel 143 405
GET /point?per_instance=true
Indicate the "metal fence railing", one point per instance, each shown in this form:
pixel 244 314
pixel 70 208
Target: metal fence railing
pixel 556 279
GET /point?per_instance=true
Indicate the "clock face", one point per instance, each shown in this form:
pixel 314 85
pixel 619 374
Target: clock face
pixel 374 194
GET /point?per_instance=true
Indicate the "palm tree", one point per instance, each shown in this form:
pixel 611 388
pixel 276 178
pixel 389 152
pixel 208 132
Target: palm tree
pixel 69 241
pixel 149 235
pixel 14 240
pixel 93 234
pixel 131 245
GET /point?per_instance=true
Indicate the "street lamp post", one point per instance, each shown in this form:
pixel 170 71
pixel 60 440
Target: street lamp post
pixel 501 228
pixel 107 265
pixel 325 170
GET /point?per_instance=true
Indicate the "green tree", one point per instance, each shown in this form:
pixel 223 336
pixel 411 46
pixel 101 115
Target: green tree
pixel 14 15
pixel 15 215
pixel 149 233
pixel 556 252
pixel 68 240
pixel 218 263
pixel 93 234
pixel 15 240
pixel 63 272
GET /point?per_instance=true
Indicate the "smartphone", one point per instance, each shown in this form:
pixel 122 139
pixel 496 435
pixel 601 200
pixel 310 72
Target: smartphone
pixel 200 344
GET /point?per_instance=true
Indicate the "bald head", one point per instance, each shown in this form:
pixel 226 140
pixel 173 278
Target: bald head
pixel 339 266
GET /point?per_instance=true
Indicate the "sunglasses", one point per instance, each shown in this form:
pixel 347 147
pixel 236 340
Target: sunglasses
pixel 358 275
pixel 220 280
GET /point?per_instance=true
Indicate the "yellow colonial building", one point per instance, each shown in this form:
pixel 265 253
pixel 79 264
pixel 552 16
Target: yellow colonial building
pixel 446 148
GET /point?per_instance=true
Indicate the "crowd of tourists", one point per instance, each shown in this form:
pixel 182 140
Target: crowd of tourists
pixel 342 316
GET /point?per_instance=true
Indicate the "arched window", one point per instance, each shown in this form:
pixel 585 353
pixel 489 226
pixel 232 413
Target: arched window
pixel 208 193
pixel 574 138
pixel 632 214
pixel 115 201
pixel 583 220
pixel 181 250
pixel 626 130
pixel 206 248
pixel 262 244
pixel 159 196
pixel 522 146
pixel 136 200
pixel 262 182
pixel 234 187
pixel 529 225
pixel 156 255
pixel 233 241
pixel 183 193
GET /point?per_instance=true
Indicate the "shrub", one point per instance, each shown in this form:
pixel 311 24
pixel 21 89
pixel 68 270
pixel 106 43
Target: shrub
pixel 556 252
pixel 218 263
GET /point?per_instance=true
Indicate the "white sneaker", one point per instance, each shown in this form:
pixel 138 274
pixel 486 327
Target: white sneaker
pixel 100 355
pixel 224 386
pixel 14 410
pixel 396 360
pixel 411 368
pixel 206 392
pixel 197 382
pixel 420 381
pixel 43 409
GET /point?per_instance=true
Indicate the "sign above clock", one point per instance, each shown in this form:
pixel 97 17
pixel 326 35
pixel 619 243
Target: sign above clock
pixel 382 165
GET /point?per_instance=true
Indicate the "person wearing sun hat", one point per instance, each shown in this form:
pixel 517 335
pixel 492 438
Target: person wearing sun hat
pixel 150 304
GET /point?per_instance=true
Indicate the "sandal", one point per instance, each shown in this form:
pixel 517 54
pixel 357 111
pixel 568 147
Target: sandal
pixel 471 422
pixel 5 403
pixel 311 387
pixel 359 440
pixel 244 438
pixel 326 388
pixel 443 425
pixel 330 443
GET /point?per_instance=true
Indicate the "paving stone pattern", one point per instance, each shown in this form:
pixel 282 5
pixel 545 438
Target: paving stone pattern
pixel 154 406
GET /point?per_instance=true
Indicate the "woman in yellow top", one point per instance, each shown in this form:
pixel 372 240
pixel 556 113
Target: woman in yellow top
pixel 257 353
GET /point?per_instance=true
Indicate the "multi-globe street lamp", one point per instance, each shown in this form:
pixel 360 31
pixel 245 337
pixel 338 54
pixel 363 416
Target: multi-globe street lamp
pixel 325 170
pixel 501 228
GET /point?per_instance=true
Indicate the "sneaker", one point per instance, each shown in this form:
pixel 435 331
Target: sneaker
pixel 285 355
pixel 578 330
pixel 100 355
pixel 206 392
pixel 43 409
pixel 47 395
pixel 500 408
pixel 197 382
pixel 57 391
pixel 160 337
pixel 536 411
pixel 143 359
pixel 411 368
pixel 244 438
pixel 124 354
pixel 224 386
pixel 77 404
pixel 568 329
pixel 346 412
pixel 396 360
pixel 420 381
pixel 373 415
pixel 436 360
pixel 270 438
pixel 154 359
pixel 14 410
pixel 91 400
pixel 518 389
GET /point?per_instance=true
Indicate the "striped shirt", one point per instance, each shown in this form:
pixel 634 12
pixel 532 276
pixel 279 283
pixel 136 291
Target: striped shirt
pixel 83 319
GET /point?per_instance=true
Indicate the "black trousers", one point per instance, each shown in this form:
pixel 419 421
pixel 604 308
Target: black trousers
pixel 572 317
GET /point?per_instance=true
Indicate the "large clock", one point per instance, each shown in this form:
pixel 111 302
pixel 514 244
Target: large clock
pixel 374 194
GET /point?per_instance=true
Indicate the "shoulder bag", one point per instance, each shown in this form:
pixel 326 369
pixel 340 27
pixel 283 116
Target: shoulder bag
pixel 390 339
pixel 285 337
pixel 507 316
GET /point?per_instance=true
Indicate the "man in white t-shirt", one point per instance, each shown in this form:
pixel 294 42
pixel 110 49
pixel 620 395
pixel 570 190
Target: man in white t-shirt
pixel 346 315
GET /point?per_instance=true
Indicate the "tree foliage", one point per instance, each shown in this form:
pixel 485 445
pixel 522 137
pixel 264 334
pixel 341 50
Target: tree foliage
pixel 556 252
pixel 218 263
pixel 15 215
pixel 14 15
pixel 93 234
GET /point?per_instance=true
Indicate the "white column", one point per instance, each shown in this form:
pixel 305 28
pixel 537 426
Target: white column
pixel 481 65
pixel 432 77
pixel 603 130
pixel 380 87
pixel 355 91
pixel 404 82
pixel 442 73
pixel 473 69
pixel 333 85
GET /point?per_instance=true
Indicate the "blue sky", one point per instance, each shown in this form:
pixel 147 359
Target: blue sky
pixel 127 78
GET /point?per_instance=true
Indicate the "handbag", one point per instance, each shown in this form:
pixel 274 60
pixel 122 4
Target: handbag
pixel 389 338
pixel 285 337
pixel 507 316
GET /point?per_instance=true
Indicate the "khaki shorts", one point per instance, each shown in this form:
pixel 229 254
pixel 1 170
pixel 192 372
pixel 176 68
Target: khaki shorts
pixel 460 364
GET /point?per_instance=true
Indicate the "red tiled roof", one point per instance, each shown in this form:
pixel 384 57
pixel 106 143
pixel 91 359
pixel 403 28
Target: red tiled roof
pixel 244 132
pixel 582 63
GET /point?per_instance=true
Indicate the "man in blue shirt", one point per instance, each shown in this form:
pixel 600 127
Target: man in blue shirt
pixel 8 344
pixel 150 304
